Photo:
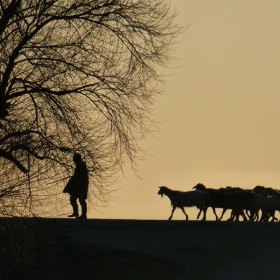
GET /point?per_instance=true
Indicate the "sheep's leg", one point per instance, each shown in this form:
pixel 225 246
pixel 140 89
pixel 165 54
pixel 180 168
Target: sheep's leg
pixel 274 219
pixel 224 211
pixel 214 211
pixel 236 214
pixel 242 214
pixel 204 213
pixel 252 216
pixel 266 215
pixel 198 215
pixel 263 216
pixel 187 217
pixel 269 215
pixel 255 215
pixel 173 209
pixel 261 219
pixel 256 218
pixel 246 214
pixel 272 215
pixel 232 215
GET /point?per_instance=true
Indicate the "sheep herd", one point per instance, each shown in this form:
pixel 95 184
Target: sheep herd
pixel 257 204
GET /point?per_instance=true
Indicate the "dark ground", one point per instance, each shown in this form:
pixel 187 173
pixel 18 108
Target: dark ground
pixel 139 249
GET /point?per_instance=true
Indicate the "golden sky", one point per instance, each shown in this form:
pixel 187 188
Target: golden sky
pixel 220 111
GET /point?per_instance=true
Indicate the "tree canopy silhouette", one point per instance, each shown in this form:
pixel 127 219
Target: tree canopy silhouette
pixel 75 76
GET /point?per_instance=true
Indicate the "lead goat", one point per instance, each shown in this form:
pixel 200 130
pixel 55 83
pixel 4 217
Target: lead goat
pixel 185 199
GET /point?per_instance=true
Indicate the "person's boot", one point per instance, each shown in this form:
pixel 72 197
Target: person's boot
pixel 84 212
pixel 75 212
pixel 73 215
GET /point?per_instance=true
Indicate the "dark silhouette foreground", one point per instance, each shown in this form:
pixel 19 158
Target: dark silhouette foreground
pixel 139 249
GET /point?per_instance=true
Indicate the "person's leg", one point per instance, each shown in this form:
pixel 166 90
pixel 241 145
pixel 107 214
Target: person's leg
pixel 73 202
pixel 84 208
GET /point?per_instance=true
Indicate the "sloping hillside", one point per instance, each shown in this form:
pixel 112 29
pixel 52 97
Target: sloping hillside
pixel 138 249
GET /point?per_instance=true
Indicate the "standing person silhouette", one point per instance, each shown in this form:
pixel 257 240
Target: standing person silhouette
pixel 77 187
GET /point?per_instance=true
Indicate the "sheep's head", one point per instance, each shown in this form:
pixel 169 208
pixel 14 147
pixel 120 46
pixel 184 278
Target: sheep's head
pixel 200 187
pixel 259 189
pixel 161 191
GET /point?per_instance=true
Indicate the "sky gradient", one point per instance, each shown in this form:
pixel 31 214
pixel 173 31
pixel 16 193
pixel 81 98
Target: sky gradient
pixel 219 114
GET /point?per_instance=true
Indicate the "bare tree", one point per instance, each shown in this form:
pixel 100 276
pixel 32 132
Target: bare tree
pixel 75 76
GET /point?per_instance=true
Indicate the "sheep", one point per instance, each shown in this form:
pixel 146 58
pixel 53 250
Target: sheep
pixel 267 204
pixel 259 189
pixel 248 205
pixel 235 199
pixel 184 199
pixel 210 202
pixel 239 201
pixel 217 199
pixel 275 194
pixel 252 201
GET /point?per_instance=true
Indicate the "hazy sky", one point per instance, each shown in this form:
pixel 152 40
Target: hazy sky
pixel 220 110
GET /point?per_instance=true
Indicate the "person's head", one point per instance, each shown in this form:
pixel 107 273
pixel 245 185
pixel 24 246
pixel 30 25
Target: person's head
pixel 77 158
